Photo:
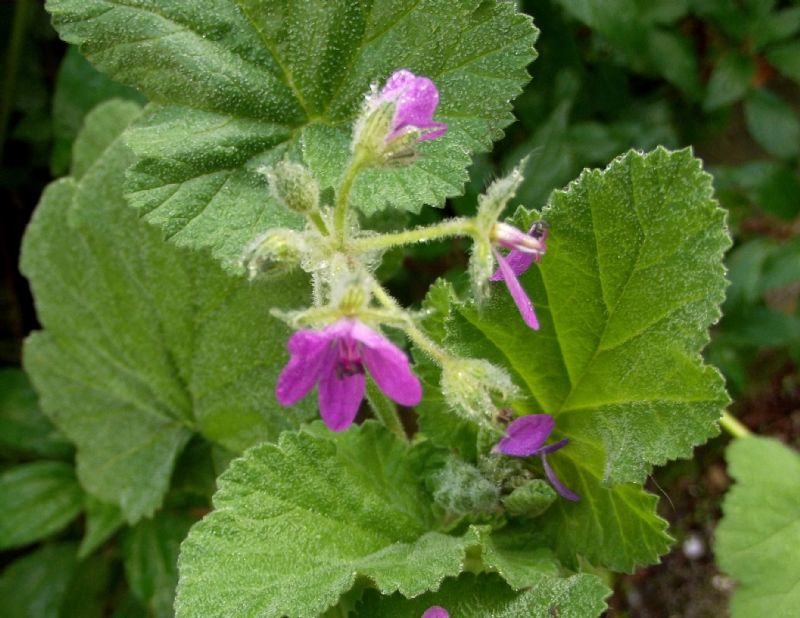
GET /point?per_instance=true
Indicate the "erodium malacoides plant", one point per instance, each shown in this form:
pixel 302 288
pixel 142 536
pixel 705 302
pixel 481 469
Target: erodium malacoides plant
pixel 480 453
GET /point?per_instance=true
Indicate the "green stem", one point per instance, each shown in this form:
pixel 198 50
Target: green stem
pixel 385 410
pixel 733 426
pixel 21 12
pixel 451 227
pixel 343 195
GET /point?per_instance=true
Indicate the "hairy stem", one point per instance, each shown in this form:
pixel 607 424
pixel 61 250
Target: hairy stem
pixel 343 195
pixel 385 410
pixel 451 227
pixel 425 343
pixel 733 426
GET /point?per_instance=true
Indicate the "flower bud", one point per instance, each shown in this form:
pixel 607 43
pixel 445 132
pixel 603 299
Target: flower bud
pixel 395 118
pixel 274 253
pixel 461 489
pixel 293 186
pixel 469 385
pixel 530 500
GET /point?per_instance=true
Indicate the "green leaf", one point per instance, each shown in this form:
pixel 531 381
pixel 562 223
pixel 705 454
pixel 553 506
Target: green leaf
pixel 758 536
pixel 773 123
pixel 630 283
pixel 79 88
pixel 295 524
pixel 729 80
pixel 39 499
pixel 102 521
pixel 144 343
pixel 237 87
pixel 35 586
pixel 24 430
pixel 150 554
pixel 479 596
pixel 786 58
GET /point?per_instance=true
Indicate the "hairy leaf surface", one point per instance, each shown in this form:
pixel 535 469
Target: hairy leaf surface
pixel 239 83
pixel 758 536
pixel 478 596
pixel 631 281
pixel 143 343
pixel 295 524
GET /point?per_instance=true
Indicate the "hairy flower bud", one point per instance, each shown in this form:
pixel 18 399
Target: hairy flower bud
pixel 530 500
pixel 273 253
pixel 293 186
pixel 460 488
pixel 469 385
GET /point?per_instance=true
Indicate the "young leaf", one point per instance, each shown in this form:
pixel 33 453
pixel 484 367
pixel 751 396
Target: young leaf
pixel 758 536
pixel 631 281
pixel 39 499
pixel 478 596
pixel 144 343
pixel 237 87
pixel 295 524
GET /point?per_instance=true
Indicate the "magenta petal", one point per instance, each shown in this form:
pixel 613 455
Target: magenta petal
pixel 562 489
pixel 388 366
pixel 435 612
pixel 518 262
pixel 552 448
pixel 521 299
pixel 339 399
pixel 526 435
pixel 312 353
pixel 416 99
pixel 439 129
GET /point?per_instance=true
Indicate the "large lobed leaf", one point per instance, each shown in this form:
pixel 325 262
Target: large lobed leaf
pixel 295 524
pixel 235 87
pixel 143 343
pixel 631 281
pixel 758 536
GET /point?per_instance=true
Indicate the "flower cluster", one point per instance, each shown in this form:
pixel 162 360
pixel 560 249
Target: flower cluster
pixel 338 345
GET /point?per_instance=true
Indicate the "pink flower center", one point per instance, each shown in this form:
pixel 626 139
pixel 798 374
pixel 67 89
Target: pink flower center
pixel 349 361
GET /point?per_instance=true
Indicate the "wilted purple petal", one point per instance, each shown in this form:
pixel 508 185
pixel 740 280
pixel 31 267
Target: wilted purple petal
pixel 525 436
pixel 517 261
pixel 388 366
pixel 339 398
pixel 416 99
pixel 435 612
pixel 552 448
pixel 521 299
pixel 562 489
pixel 312 353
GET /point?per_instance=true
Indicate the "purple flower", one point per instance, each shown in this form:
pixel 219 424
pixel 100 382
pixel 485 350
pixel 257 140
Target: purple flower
pixel 526 437
pixel 435 612
pixel 415 98
pixel 525 249
pixel 336 358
